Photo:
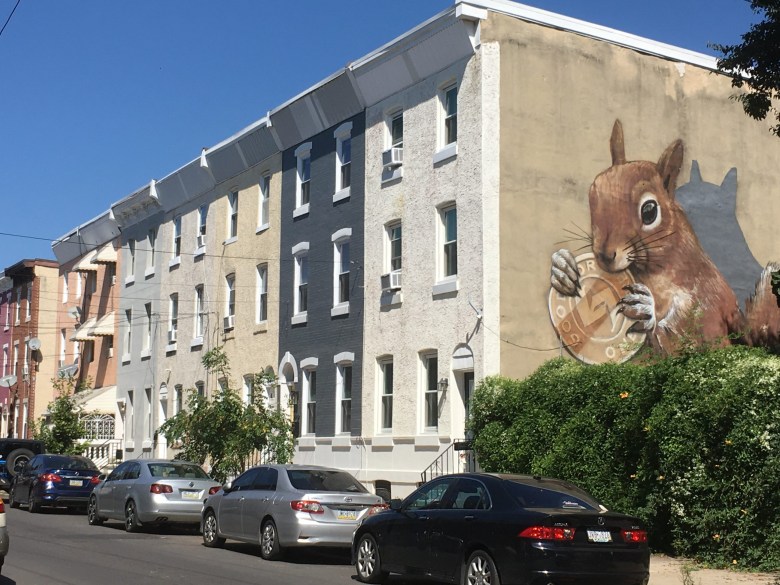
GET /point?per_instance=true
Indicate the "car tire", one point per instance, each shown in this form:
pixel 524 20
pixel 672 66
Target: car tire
pixel 33 506
pixel 368 564
pixel 93 519
pixel 16 460
pixel 131 517
pixel 211 537
pixel 270 549
pixel 480 568
pixel 12 498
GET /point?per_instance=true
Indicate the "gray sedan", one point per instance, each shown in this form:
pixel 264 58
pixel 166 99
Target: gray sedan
pixel 151 491
pixel 281 506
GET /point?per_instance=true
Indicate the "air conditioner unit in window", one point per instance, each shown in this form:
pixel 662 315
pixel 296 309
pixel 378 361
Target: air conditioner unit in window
pixel 113 280
pixel 110 352
pixel 25 372
pixel 172 336
pixel 228 322
pixel 201 240
pixel 393 157
pixel 391 280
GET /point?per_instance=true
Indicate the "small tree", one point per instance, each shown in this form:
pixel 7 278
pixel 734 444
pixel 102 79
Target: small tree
pixel 61 433
pixel 224 430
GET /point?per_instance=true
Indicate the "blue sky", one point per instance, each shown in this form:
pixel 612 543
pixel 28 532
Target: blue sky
pixel 97 97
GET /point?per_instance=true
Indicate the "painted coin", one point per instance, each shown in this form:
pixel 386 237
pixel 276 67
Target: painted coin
pixel 589 325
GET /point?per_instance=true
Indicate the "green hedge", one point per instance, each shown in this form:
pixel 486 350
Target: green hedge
pixel 689 444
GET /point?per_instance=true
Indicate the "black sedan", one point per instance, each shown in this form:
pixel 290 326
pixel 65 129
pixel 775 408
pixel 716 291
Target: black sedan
pixel 478 528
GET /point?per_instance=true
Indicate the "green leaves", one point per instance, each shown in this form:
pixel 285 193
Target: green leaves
pixel 64 430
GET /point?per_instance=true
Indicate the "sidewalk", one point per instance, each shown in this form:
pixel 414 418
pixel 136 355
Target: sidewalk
pixel 668 571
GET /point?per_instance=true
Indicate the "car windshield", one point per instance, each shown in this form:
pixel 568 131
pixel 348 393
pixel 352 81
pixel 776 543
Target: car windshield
pixel 535 496
pixel 76 463
pixel 324 480
pixel 177 471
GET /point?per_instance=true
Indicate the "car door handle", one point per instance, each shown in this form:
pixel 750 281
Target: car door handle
pixel 423 518
pixel 469 517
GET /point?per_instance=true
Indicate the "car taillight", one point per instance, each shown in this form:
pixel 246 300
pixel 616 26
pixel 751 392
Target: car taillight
pixel 214 489
pixel 376 508
pixel 160 488
pixel 309 506
pixel 2 507
pixel 94 480
pixel 637 536
pixel 50 477
pixel 547 533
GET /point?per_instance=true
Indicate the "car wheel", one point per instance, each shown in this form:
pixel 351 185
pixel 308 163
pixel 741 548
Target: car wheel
pixel 480 569
pixel 16 460
pixel 32 505
pixel 92 513
pixel 210 536
pixel 12 499
pixel 131 517
pixel 269 542
pixel 368 564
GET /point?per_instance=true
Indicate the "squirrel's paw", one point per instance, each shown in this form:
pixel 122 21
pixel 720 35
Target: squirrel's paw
pixel 638 305
pixel 563 274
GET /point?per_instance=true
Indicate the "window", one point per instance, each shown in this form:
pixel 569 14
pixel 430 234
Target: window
pixel 395 126
pixel 177 237
pixel 394 246
pixel 386 382
pixel 343 136
pixel 173 318
pixel 233 214
pixel 26 356
pixel 203 211
pixel 199 312
pixel 344 386
pixel 89 352
pixel 301 282
pixel 28 312
pixel 310 393
pixel 430 495
pixel 152 240
pixel 8 310
pixel 200 388
pixel 18 306
pixel 248 390
pixel 130 266
pixel 128 334
pixel 76 351
pixel 178 399
pixel 63 348
pixel 449 220
pixel 147 348
pixel 5 360
pixel 129 414
pixel 110 274
pixel 262 293
pixel 230 295
pixel 16 359
pixel 263 217
pixel 449 97
pixel 341 266
pixel 302 197
pixel 64 288
pixel 109 345
pixel 148 411
pixel 431 391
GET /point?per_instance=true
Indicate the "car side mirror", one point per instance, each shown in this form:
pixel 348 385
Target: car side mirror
pixel 228 487
pixel 102 477
pixel 395 504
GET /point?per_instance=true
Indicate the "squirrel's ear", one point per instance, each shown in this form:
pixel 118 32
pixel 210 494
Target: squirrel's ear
pixel 616 145
pixel 669 166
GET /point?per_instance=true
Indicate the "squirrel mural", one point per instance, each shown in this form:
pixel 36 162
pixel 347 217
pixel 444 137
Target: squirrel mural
pixel 638 225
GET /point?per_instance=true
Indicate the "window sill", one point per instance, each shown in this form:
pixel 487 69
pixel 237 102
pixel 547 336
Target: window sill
pixel 230 241
pixel 27 318
pixel 173 262
pixel 340 309
pixel 130 444
pixel 342 441
pixel 6 328
pixel 383 440
pixel 17 323
pixel 261 228
pixel 199 251
pixel 149 272
pixel 129 280
pixel 261 327
pixel 146 445
pixel 446 153
pixel 300 318
pixel 302 210
pixel 126 359
pixel 306 442
pixel 443 287
pixel 389 299
pixel 393 174
pixel 146 354
pixel 196 341
pixel 430 438
pixel 341 195
pixel 170 348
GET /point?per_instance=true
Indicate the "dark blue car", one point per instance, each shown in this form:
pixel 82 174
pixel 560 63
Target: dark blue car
pixel 54 480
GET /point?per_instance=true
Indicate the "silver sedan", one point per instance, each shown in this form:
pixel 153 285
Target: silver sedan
pixel 281 506
pixel 151 491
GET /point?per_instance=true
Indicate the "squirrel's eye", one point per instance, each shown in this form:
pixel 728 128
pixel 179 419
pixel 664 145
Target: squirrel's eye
pixel 649 212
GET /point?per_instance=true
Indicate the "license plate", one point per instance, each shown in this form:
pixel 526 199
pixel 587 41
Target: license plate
pixel 599 536
pixel 189 495
pixel 75 483
pixel 347 515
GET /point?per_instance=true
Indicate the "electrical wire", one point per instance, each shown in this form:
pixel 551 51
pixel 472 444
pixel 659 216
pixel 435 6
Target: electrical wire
pixel 7 20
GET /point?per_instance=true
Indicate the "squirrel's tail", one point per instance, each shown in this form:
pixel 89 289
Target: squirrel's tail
pixel 763 313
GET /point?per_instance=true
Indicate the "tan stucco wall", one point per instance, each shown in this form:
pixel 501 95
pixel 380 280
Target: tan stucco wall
pixel 560 95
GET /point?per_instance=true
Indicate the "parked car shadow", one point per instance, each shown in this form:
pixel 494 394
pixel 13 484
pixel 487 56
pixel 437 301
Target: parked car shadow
pixel 298 556
pixel 6 581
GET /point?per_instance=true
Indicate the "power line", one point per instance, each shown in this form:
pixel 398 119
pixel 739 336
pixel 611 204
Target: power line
pixel 7 20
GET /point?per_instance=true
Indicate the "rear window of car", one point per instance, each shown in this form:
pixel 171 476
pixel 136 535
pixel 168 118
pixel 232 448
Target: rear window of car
pixel 535 496
pixel 177 471
pixel 324 480
pixel 76 463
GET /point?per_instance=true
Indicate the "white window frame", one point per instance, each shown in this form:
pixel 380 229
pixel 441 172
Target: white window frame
pixel 309 397
pixel 5 359
pixel 264 204
pixel 173 316
pixel 385 397
pixel 28 309
pixel 14 365
pixel 202 217
pixel 148 425
pixel 428 395
pixel 302 182
pixel 199 325
pixel 343 361
pixel 393 263
pixel 248 389
pixel 446 283
pixel 176 243
pixel 261 304
pixel 146 349
pixel 448 145
pixel 230 295
pixel 341 246
pixel 343 136
pixel 128 335
pixel 232 217
pixel 178 399
pixel 390 119
pixel 200 388
pixel 64 287
pixel 129 275
pixel 8 301
pixel 18 306
pixel 300 254
pixel 150 253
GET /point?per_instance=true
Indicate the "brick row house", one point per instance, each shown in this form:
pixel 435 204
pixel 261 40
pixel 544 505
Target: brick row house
pixel 383 241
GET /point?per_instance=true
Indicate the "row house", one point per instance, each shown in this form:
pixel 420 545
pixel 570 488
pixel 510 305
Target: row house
pixel 383 241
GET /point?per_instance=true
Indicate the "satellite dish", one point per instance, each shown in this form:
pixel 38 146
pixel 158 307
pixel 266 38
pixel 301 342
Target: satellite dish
pixel 34 343
pixel 74 313
pixel 8 381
